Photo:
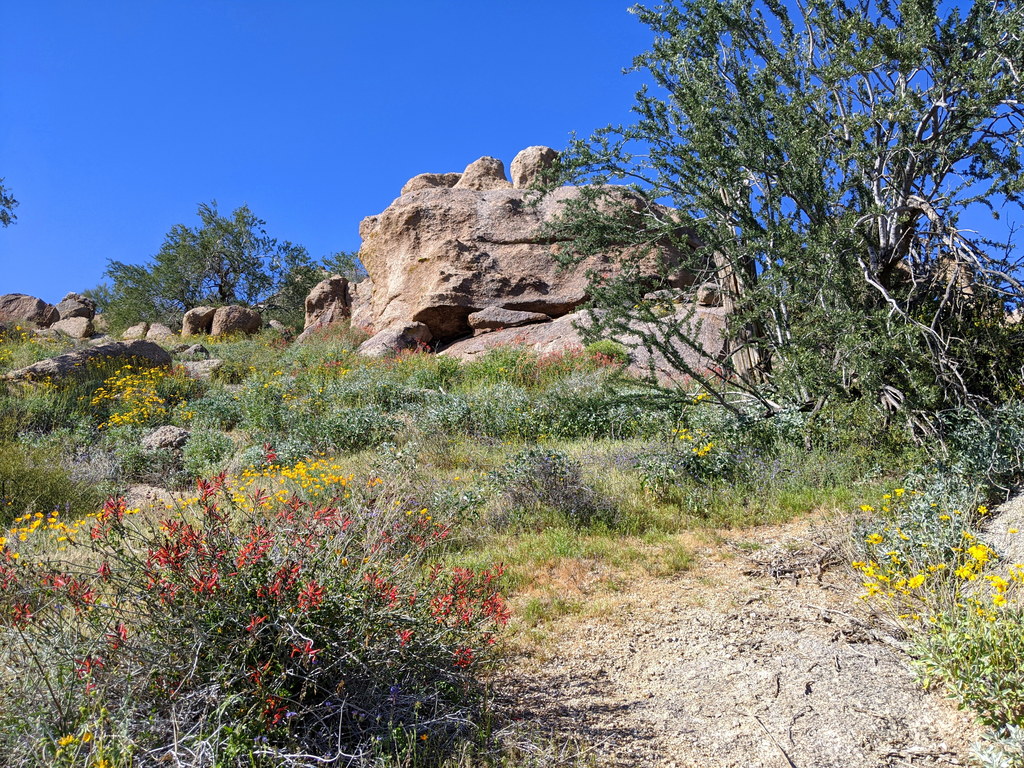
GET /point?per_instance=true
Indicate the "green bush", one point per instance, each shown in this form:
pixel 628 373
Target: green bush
pixel 245 632
pixel 612 350
pixel 31 480
pixel 206 451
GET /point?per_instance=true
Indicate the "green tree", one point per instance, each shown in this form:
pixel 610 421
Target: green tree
pixel 823 161
pixel 224 260
pixel 7 206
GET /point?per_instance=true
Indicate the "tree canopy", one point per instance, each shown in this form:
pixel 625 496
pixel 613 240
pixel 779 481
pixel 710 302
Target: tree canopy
pixel 224 260
pixel 7 206
pixel 829 162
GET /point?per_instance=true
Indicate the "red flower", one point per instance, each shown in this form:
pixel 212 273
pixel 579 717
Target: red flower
pixel 463 657
pixel 306 649
pixel 404 637
pixel 254 622
pixel 311 596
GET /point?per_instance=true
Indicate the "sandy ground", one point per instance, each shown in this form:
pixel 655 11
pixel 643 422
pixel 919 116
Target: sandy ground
pixel 760 656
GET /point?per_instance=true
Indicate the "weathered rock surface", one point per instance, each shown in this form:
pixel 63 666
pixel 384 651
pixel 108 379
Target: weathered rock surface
pixel 137 331
pixel 362 304
pixel 72 362
pixel 75 327
pixel 203 370
pixel 491 318
pixel 397 338
pixel 529 165
pixel 197 320
pixel 484 174
pixel 76 305
pixel 167 437
pixel 194 352
pixel 707 324
pixel 22 308
pixel 328 302
pixel 440 255
pixel 159 332
pixel 235 319
pixel 431 180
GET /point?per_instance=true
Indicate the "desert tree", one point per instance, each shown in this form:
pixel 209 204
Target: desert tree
pixel 7 206
pixel 846 174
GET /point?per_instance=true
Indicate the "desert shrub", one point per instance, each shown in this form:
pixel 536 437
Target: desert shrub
pixel 503 411
pixel 138 464
pixel 545 480
pixel 205 452
pixel 443 413
pixel 612 350
pixel 244 631
pixel 218 408
pixel 263 405
pixel 343 429
pixel 976 655
pixel 1001 748
pixel 989 446
pixel 33 481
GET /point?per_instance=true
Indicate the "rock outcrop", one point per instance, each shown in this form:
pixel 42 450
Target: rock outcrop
pixel 329 302
pixel 235 319
pixel 437 255
pixel 73 362
pixel 430 181
pixel 21 308
pixel 530 165
pixel 76 305
pixel 167 437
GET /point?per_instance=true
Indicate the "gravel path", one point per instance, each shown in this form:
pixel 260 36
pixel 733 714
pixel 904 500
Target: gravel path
pixel 758 660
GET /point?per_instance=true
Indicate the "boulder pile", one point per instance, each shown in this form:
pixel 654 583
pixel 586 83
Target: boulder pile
pixel 465 261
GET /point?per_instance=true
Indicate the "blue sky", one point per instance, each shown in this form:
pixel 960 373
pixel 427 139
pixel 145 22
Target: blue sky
pixel 118 117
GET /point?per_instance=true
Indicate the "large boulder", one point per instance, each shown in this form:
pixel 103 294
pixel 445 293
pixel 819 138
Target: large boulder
pixel 329 302
pixel 362 305
pixel 21 308
pixel 76 305
pixel 530 165
pixel 483 174
pixel 74 362
pixel 441 255
pixel 197 320
pixel 235 319
pixel 75 327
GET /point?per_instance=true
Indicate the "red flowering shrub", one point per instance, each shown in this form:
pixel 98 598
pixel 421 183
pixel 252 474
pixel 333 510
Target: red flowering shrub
pixel 245 629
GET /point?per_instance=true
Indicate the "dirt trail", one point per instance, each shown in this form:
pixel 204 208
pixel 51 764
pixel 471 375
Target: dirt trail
pixel 726 665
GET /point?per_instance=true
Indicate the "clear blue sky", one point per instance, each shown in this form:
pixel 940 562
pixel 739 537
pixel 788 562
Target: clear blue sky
pixel 117 117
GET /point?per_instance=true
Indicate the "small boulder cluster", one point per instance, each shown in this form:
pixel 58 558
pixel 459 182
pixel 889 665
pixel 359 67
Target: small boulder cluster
pixel 75 316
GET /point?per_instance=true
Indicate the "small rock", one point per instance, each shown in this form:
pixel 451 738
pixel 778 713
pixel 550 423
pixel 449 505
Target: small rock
pixel 168 437
pixel 194 352
pixel 159 332
pixel 137 331
pixel 202 370
pixel 709 295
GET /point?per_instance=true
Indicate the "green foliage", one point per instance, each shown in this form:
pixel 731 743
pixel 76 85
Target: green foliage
pixel 978 660
pixel 7 206
pixel 249 631
pixel 821 164
pixel 205 452
pixel 33 480
pixel 225 260
pixel 610 349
